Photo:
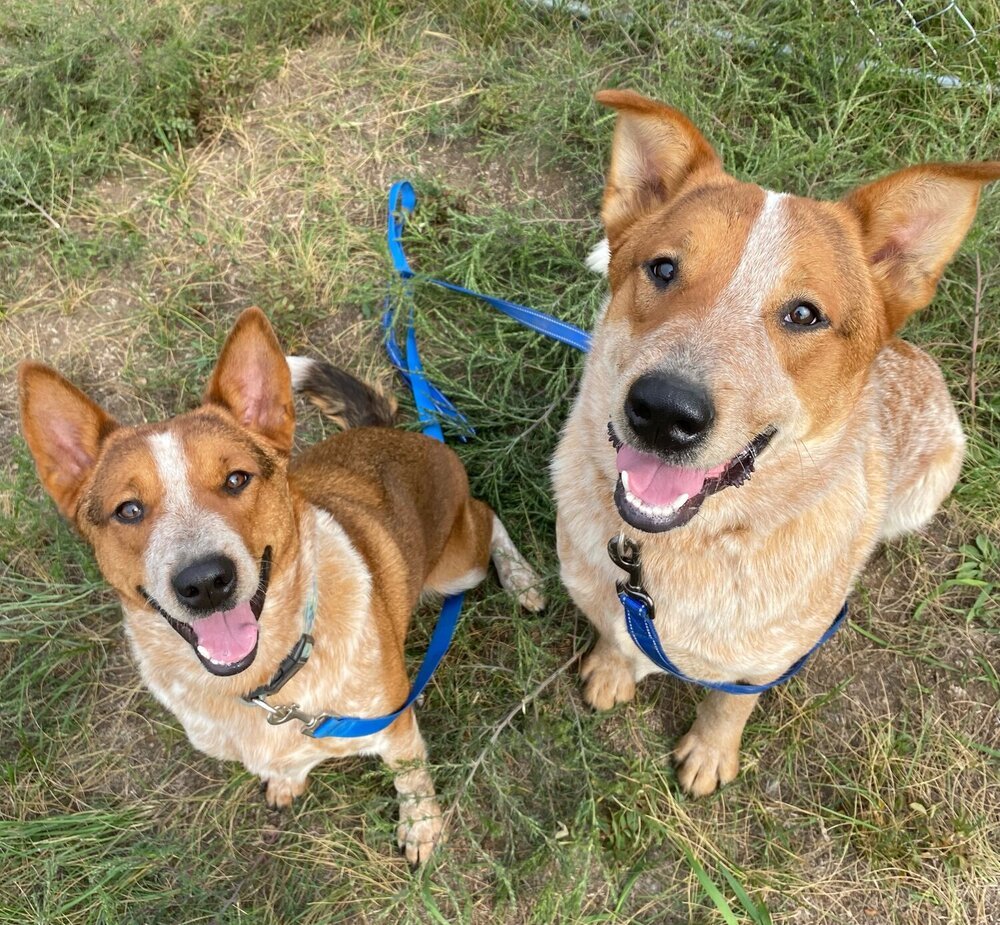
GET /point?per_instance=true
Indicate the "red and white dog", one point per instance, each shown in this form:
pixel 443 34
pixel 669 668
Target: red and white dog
pixel 749 332
pixel 219 544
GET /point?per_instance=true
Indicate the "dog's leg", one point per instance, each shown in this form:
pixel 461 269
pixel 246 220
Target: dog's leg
pixel 709 755
pixel 477 536
pixel 515 574
pixel 280 792
pixel 608 673
pixel 420 821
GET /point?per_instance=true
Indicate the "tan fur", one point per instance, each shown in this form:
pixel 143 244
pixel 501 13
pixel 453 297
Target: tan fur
pixel 867 440
pixel 373 516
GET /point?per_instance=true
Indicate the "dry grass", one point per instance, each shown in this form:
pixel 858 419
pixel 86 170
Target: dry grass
pixel 869 785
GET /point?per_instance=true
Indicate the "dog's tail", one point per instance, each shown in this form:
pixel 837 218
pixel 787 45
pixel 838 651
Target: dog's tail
pixel 340 396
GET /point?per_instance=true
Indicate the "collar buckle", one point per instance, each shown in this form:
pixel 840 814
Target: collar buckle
pixel 290 664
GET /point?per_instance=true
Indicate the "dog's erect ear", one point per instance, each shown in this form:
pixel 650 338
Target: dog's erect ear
pixel 253 382
pixel 64 430
pixel 655 151
pixel 912 222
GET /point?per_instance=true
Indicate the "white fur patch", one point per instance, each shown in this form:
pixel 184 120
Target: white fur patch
pixel 463 583
pixel 765 257
pixel 299 368
pixel 171 466
pixel 599 257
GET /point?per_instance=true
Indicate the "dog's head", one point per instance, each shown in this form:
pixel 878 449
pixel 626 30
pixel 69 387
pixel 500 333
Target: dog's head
pixel 741 318
pixel 187 517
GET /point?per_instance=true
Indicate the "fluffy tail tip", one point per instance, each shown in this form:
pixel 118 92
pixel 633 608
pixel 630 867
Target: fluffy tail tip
pixel 342 397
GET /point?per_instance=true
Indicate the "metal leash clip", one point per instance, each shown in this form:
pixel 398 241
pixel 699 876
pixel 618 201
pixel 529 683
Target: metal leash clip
pixel 625 554
pixel 278 715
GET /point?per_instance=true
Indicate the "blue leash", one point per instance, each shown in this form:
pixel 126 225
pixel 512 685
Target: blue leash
pixel 344 727
pixel 402 202
pixel 432 405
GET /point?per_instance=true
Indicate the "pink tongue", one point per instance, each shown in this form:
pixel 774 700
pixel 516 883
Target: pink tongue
pixel 657 484
pixel 227 636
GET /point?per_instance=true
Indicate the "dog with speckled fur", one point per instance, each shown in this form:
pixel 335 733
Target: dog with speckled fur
pixel 747 413
pixel 218 541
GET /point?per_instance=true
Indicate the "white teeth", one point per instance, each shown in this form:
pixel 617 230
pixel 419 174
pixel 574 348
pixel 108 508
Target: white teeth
pixel 625 481
pixel 203 652
pixel 648 509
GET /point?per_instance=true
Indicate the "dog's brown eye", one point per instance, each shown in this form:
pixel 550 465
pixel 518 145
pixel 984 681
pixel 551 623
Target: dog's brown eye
pixel 803 314
pixel 662 270
pixel 129 512
pixel 236 482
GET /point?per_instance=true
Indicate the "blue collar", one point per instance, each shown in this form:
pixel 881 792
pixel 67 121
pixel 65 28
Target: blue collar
pixel 640 611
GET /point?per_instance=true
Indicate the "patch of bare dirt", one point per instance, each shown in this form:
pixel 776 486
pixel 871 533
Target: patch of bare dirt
pixel 296 181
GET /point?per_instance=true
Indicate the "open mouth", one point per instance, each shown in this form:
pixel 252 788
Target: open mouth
pixel 655 497
pixel 225 641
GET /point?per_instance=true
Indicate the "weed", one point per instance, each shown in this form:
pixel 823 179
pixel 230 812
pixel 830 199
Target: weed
pixel 163 165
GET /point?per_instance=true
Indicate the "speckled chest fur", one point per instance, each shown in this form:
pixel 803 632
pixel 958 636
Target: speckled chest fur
pixel 747 414
pixel 225 550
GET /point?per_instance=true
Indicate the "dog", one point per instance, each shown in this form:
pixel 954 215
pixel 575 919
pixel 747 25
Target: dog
pixel 219 544
pixel 749 333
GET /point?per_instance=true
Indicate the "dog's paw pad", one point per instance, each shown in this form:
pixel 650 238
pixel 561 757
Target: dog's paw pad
pixel 702 766
pixel 280 792
pixel 420 829
pixel 607 681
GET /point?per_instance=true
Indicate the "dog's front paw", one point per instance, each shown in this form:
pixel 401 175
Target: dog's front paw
pixel 608 679
pixel 281 791
pixel 704 766
pixel 420 827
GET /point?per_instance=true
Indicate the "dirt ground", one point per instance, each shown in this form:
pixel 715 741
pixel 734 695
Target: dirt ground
pixel 287 202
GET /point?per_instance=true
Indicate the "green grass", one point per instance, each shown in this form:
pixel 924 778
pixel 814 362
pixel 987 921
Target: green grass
pixel 163 165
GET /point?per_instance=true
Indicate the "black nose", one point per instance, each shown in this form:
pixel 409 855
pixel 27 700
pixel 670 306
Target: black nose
pixel 667 412
pixel 206 584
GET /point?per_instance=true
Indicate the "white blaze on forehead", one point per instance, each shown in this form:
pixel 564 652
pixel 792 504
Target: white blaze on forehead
pixel 765 257
pixel 172 468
